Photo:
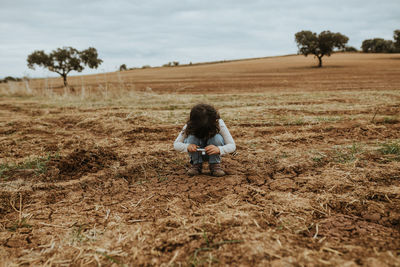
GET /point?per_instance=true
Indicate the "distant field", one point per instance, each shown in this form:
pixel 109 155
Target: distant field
pixel 90 177
pixel 349 71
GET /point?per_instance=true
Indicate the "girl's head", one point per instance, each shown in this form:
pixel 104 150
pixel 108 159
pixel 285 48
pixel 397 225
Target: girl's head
pixel 203 121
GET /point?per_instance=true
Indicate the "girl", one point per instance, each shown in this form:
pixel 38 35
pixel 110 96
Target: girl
pixel 206 130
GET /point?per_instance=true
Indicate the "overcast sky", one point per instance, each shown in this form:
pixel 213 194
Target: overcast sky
pixel 155 32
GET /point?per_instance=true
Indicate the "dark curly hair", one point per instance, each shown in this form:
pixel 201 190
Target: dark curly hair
pixel 203 121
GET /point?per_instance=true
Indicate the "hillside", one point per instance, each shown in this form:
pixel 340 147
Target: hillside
pixel 342 71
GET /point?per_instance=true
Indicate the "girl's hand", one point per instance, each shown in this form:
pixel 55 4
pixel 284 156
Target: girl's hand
pixel 212 150
pixel 192 148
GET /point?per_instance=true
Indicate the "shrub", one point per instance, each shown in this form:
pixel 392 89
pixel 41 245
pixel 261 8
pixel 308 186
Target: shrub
pixel 10 79
pixel 122 67
pixel 350 49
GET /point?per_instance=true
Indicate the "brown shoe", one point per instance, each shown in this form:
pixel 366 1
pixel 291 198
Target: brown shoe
pixel 195 169
pixel 216 170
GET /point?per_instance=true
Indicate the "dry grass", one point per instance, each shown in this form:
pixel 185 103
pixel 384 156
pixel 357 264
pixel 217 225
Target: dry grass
pixel 315 181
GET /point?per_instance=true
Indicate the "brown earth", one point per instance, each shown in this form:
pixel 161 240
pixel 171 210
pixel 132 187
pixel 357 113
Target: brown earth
pixel 90 178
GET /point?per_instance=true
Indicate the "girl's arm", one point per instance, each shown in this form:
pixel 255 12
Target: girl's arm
pixel 178 144
pixel 230 145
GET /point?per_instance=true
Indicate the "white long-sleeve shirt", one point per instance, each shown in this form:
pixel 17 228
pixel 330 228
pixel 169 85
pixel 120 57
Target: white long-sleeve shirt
pixel 229 146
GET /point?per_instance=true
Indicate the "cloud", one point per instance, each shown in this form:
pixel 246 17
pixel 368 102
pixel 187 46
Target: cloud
pixel 154 32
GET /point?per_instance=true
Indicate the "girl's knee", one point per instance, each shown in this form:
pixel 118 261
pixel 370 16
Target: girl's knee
pixel 191 139
pixel 216 140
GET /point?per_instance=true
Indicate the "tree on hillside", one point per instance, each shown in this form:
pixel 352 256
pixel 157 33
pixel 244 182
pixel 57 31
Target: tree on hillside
pixel 349 49
pixel 64 60
pixel 366 46
pixel 319 45
pixel 378 45
pixel 396 37
pixel 123 67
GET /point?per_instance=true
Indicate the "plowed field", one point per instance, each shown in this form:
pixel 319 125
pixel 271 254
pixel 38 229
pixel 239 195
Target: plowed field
pixel 91 178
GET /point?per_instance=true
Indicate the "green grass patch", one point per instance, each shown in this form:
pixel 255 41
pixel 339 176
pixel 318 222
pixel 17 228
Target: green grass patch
pixel 318 157
pixel 391 149
pixel 390 120
pixel 19 224
pixel 196 260
pixel 38 165
pixel 295 122
pixel 161 178
pixel 112 259
pixel 81 233
pixel 327 119
pixel 76 235
pixel 348 154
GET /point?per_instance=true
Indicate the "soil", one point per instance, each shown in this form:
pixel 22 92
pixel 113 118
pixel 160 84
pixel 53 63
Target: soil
pixel 95 181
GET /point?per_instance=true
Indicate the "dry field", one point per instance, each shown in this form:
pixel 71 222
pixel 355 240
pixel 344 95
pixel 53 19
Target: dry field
pixel 90 177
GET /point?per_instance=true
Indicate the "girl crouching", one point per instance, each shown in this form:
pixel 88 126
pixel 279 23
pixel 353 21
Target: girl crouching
pixel 205 130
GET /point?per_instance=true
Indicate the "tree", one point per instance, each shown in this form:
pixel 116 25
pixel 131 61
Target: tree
pixel 64 60
pixel 396 37
pixel 319 45
pixel 349 49
pixel 366 45
pixel 123 67
pixel 10 79
pixel 378 45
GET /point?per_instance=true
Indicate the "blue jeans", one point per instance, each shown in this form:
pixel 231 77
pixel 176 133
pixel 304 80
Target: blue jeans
pixel 196 157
